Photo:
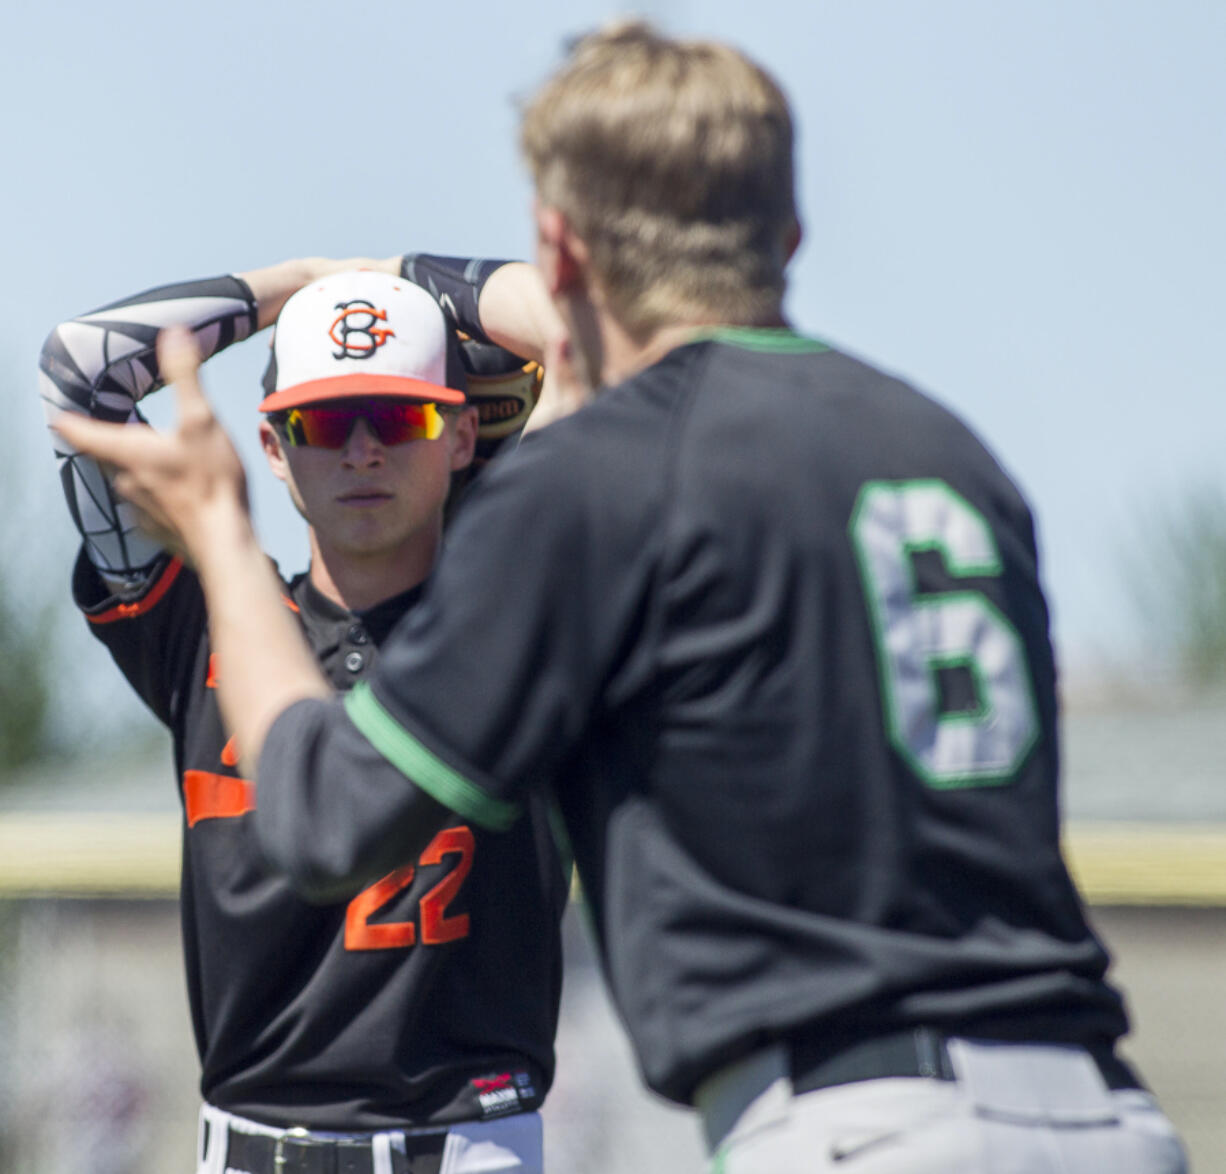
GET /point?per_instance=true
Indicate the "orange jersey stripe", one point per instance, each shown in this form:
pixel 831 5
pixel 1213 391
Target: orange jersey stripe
pixel 127 611
pixel 210 796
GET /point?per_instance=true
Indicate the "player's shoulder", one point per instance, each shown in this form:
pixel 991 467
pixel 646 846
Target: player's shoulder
pixel 599 470
pixel 915 429
pixel 837 400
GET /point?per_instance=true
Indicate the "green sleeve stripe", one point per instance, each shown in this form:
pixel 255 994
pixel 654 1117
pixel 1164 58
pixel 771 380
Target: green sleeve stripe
pixel 422 767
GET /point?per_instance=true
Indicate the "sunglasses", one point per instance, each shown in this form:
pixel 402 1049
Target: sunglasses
pixel 393 422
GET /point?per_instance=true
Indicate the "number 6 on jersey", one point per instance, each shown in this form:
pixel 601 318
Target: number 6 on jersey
pixel 918 634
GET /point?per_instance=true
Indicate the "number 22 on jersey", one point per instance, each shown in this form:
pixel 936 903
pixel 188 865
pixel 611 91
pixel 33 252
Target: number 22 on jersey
pixel 454 845
pixel 207 795
pixel 917 635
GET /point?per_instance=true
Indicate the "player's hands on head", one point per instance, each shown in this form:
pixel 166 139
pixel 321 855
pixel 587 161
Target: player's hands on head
pixel 273 285
pixel 185 482
pixel 326 266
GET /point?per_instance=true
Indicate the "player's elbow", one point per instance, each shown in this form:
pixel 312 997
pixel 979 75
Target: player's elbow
pixel 62 384
pixel 53 344
pixel 332 813
pixel 315 881
pixel 320 865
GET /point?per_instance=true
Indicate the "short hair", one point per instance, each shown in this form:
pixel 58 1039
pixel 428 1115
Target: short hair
pixel 673 162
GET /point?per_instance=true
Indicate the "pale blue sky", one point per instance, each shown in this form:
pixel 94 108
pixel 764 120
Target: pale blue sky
pixel 1019 207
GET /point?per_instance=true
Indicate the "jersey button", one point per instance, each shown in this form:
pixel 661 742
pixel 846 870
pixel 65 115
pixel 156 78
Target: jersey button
pixel 357 635
pixel 354 662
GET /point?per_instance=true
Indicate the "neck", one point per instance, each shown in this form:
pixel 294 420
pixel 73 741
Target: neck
pixel 359 582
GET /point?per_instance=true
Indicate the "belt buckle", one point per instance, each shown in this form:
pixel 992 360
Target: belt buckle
pixel 301 1138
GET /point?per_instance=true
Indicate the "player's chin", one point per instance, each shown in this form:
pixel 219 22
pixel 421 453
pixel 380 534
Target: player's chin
pixel 375 537
pixel 373 515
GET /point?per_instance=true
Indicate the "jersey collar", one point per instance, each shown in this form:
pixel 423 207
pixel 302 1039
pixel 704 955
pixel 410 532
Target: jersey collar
pixel 778 340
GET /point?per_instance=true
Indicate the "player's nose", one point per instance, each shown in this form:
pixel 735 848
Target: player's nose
pixel 363 448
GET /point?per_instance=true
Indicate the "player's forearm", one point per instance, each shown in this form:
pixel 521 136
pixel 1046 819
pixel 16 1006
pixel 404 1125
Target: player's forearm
pixel 517 313
pixel 101 365
pixel 504 302
pixel 267 665
pixel 104 362
pixel 190 487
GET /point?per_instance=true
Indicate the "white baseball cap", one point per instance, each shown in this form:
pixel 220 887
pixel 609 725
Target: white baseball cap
pixel 362 333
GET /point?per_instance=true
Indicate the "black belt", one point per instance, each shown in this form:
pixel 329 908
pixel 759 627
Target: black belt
pixel 918 1051
pixel 255 1153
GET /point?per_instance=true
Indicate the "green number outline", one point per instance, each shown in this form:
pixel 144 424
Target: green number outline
pixel 990 567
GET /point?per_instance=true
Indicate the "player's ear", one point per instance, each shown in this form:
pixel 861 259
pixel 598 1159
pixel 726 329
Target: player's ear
pixel 561 255
pixel 274 452
pixel 463 438
pixel 791 242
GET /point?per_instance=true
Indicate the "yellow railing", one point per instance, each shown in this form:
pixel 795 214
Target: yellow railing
pixel 95 855
pixel 101 855
pixel 1148 864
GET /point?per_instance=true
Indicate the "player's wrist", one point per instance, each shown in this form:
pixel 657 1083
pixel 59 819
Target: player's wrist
pixel 273 285
pixel 219 537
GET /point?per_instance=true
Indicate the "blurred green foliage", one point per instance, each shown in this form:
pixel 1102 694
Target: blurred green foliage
pixel 25 680
pixel 33 598
pixel 1176 570
pixel 60 696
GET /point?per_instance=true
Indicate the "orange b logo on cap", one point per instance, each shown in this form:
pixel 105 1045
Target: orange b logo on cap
pixel 356 331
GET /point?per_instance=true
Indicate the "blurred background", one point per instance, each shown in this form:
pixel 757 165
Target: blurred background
pixel 1016 207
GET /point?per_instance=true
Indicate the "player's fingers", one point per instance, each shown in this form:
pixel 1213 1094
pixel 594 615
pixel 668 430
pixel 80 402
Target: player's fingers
pixel 179 363
pixel 178 355
pixel 117 444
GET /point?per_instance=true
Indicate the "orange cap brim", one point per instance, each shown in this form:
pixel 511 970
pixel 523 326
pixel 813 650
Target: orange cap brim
pixel 361 386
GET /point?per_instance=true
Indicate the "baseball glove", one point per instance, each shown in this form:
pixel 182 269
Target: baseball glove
pixel 502 387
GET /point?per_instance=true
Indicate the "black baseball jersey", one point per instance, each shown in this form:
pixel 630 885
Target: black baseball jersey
pixel 432 995
pixel 777 640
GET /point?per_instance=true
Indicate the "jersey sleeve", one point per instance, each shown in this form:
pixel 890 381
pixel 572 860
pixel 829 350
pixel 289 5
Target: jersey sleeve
pixel 486 688
pixel 103 364
pixel 153 636
pixel 331 812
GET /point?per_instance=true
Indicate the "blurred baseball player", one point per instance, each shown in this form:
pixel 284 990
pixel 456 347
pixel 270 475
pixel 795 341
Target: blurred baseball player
pixel 778 645
pixel 411 1027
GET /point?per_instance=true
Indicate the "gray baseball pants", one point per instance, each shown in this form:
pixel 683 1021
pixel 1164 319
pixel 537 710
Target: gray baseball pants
pixel 1010 1109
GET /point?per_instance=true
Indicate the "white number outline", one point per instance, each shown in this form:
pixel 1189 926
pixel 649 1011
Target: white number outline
pixel 944 750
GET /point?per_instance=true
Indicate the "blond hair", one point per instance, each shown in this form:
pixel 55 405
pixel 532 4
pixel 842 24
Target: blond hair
pixel 673 162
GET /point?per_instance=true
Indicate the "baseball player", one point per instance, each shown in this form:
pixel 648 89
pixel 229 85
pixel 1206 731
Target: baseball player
pixel 409 1027
pixel 778 645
